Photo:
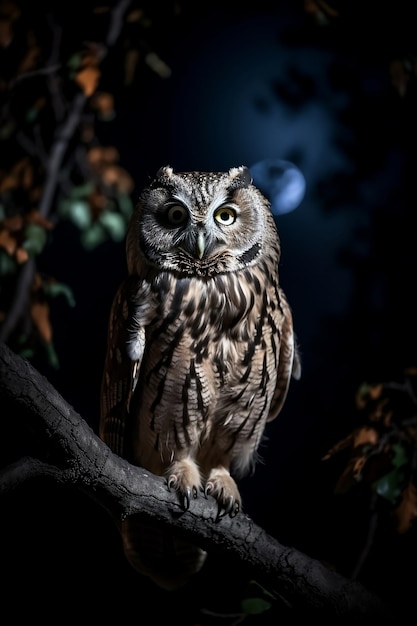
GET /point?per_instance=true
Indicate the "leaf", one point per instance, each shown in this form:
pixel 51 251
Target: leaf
pixel 114 224
pixel 255 606
pixel 74 61
pixel 400 457
pixel 7 264
pixel 103 103
pixel 35 239
pixel 351 475
pixel 390 486
pixel 93 237
pixel 40 316
pixel 125 204
pixel 55 289
pixel 259 600
pixel 365 435
pixel 341 445
pixel 52 355
pixel 366 392
pixel 406 512
pixel 79 213
pixel 7 242
pixel 87 79
pixel 82 191
pixel 115 176
pixel 158 65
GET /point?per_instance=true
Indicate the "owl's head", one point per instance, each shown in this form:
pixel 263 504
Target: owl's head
pixel 200 223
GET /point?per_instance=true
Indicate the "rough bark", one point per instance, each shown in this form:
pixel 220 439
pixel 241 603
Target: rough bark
pixel 58 445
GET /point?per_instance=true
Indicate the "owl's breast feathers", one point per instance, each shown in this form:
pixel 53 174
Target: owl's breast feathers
pixel 212 356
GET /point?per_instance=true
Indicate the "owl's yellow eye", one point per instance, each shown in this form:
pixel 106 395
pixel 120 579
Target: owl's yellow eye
pixel 177 214
pixel 225 216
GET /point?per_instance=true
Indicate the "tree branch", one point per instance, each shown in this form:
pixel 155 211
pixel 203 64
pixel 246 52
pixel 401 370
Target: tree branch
pixel 67 451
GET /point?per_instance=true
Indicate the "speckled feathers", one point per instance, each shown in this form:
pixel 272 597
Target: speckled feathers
pixel 201 346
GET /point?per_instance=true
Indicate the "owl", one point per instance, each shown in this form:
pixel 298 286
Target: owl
pixel 201 350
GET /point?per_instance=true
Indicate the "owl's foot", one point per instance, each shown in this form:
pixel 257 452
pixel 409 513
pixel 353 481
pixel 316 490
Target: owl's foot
pixel 223 488
pixel 184 478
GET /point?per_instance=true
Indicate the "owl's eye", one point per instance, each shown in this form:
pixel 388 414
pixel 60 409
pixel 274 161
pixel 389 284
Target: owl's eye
pixel 177 214
pixel 225 216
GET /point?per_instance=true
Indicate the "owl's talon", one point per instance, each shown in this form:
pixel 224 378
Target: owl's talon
pixel 229 506
pixel 171 483
pixel 207 490
pixel 187 498
pixel 220 513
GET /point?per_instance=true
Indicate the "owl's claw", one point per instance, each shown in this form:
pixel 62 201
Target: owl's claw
pixel 231 507
pixel 186 498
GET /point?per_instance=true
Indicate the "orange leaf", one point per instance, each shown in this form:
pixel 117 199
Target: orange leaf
pixel 40 316
pixel 351 474
pixel 365 435
pixel 87 79
pixel 7 242
pixel 13 224
pixel 22 255
pixel 406 512
pixel 116 176
pixel 104 104
pixel 341 445
pixel 19 176
pixel 34 217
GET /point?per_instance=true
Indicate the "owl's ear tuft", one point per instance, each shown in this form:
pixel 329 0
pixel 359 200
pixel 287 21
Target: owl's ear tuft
pixel 165 171
pixel 242 175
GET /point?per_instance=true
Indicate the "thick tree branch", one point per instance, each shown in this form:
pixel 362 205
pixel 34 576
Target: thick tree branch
pixel 65 450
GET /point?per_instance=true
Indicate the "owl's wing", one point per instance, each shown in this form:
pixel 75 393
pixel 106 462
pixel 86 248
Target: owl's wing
pixel 289 363
pixel 120 372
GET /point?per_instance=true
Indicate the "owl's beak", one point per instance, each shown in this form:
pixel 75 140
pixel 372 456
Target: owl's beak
pixel 201 244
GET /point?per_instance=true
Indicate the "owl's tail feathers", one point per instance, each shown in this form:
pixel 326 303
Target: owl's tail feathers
pixel 165 558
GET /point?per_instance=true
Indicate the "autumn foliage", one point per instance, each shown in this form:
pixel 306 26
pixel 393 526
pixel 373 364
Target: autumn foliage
pixel 53 166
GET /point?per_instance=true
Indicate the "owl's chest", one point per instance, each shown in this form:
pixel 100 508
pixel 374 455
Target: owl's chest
pixel 213 325
pixel 199 311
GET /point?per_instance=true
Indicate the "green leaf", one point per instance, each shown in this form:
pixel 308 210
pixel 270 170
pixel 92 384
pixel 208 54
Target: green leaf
pixel 52 355
pixel 7 264
pixel 27 353
pixel 82 191
pixel 35 239
pixel 93 237
pixel 79 213
pixel 400 457
pixel 254 606
pixel 125 204
pixel 390 485
pixel 114 224
pixel 58 289
pixel 74 61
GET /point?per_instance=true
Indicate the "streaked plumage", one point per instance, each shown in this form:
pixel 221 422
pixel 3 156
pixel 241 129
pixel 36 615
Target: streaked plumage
pixel 201 348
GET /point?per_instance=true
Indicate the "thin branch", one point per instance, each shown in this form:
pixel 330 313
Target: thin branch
pixel 63 135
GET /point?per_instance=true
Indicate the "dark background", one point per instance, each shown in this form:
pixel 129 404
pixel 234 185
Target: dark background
pixel 247 85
